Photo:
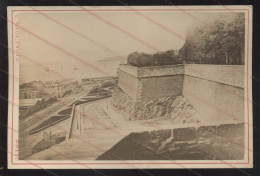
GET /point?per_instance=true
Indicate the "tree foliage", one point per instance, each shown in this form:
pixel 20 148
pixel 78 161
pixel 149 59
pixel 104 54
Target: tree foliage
pixel 219 42
pixel 169 57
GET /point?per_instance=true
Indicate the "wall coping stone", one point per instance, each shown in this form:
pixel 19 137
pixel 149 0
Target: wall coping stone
pixel 141 72
pixel 232 75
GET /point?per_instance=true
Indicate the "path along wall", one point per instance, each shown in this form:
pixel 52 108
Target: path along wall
pixel 215 91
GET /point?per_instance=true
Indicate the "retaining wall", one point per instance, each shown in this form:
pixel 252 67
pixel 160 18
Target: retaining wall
pixel 159 87
pixel 215 91
pixel 146 83
pixel 232 75
pixel 128 83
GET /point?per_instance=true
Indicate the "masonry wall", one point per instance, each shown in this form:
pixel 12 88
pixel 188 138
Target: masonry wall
pixel 232 75
pixel 158 87
pixel 128 83
pixel 146 83
pixel 216 92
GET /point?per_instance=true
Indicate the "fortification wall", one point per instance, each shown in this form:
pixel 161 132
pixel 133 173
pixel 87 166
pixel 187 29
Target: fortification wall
pixel 142 72
pixel 232 75
pixel 216 92
pixel 158 87
pixel 128 83
pixel 146 83
pixel 165 70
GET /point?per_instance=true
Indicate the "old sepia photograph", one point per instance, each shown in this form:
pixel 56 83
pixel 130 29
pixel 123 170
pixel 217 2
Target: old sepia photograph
pixel 130 87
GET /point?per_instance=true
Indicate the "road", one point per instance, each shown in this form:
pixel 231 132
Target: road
pixel 94 131
pixel 26 124
pixel 89 138
pixel 37 118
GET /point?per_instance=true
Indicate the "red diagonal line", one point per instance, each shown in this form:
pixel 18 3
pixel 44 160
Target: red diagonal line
pixel 158 126
pixel 152 125
pixel 147 17
pixel 162 155
pixel 58 47
pixel 68 53
pixel 37 165
pixel 80 58
pixel 97 121
pixel 97 147
pixel 85 141
pixel 210 104
pixel 156 22
pixel 232 11
pixel 60 153
pixel 76 32
pixel 172 31
pixel 186 12
pixel 192 95
pixel 129 85
pixel 224 162
pixel 118 27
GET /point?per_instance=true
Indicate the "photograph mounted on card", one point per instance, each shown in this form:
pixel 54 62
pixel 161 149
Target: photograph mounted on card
pixel 130 87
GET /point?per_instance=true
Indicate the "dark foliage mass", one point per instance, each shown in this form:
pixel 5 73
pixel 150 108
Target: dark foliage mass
pixel 221 41
pixel 143 60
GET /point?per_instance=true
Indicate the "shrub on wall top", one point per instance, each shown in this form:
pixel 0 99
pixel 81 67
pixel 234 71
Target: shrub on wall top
pixel 145 60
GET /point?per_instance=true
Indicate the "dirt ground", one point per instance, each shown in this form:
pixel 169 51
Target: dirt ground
pixel 105 134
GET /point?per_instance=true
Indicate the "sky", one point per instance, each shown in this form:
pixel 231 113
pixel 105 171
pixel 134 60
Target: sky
pixel 98 30
pixel 151 38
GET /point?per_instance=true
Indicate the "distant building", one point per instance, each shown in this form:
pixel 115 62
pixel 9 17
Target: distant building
pixel 53 89
pixel 27 94
pixel 97 80
pixel 30 105
pixel 30 90
pixel 60 88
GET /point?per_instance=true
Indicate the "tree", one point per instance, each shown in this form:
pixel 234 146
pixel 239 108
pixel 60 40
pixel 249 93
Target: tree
pixel 220 42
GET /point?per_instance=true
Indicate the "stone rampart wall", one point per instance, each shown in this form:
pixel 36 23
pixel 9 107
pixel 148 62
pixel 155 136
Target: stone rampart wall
pixel 215 91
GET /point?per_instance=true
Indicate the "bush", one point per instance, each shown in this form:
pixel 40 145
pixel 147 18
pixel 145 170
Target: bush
pixel 145 60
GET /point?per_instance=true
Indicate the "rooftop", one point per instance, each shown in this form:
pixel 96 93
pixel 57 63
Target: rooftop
pixel 29 102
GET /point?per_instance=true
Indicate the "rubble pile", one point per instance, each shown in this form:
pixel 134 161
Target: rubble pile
pixel 177 108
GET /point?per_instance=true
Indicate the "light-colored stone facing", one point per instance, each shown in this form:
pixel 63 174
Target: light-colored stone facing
pixel 167 70
pixel 227 74
pixel 146 83
pixel 232 75
pixel 149 88
pixel 128 83
pixel 128 69
pixel 141 72
pixel 216 91
pixel 159 87
pixel 214 101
